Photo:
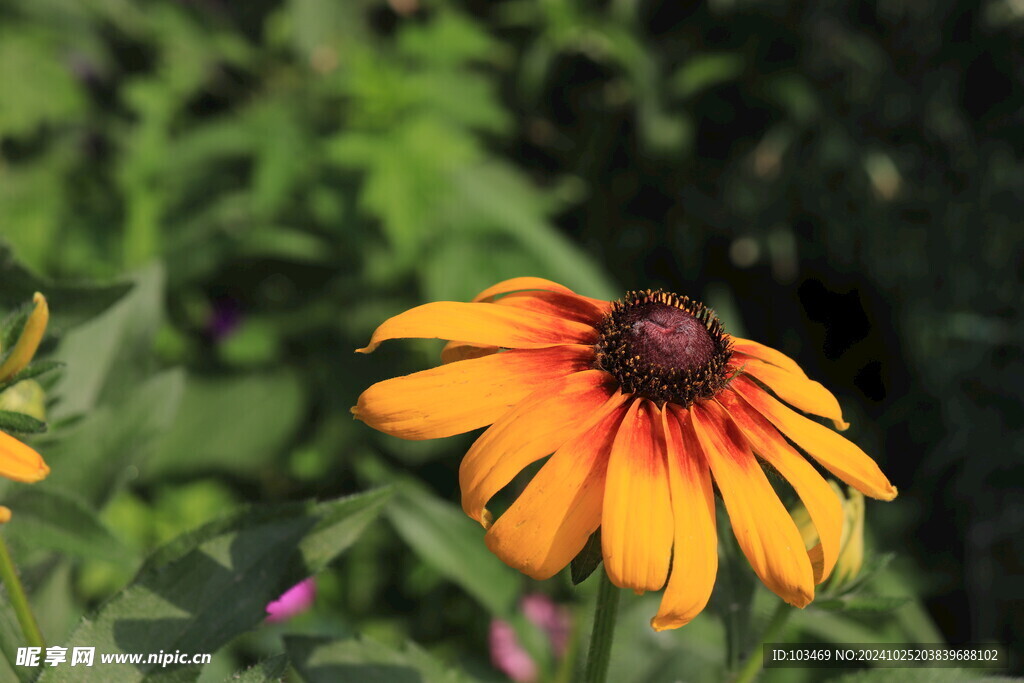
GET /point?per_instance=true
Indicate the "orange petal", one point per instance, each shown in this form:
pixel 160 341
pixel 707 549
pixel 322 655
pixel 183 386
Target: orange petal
pixel 536 427
pixel 824 507
pixel 839 456
pixel 518 284
pixel 462 396
pixel 19 462
pixel 482 324
pixel 28 342
pixel 695 551
pixel 796 390
pixel 762 526
pixel 636 521
pixel 456 350
pixel 767 354
pixel 569 306
pixel 550 522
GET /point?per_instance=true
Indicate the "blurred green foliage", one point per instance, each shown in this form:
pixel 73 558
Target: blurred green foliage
pixel 256 185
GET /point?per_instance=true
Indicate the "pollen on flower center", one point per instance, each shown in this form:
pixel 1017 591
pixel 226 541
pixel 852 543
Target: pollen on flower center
pixel 664 347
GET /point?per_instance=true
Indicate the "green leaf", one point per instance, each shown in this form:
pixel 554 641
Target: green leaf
pixel 70 304
pixel 506 202
pixel 203 589
pixel 11 637
pixel 449 39
pixel 235 424
pixel 445 538
pixel 92 456
pixel 255 342
pixel 31 372
pixel 12 327
pixel 735 591
pixel 588 559
pixel 366 661
pixel 873 565
pixel 58 521
pixel 20 422
pixel 876 604
pixel 268 671
pixel 705 71
pixel 33 49
pixel 110 355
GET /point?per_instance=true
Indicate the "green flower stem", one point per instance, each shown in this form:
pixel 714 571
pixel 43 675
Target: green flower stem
pixel 755 659
pixel 9 576
pixel 604 631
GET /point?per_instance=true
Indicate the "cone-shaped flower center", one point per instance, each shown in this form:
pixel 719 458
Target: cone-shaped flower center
pixel 665 335
pixel 664 347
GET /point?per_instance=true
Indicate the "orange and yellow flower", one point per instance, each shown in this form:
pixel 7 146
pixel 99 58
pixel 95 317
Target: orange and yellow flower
pixel 644 405
pixel 18 461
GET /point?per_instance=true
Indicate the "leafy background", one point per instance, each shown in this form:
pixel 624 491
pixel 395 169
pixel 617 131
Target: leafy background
pixel 271 179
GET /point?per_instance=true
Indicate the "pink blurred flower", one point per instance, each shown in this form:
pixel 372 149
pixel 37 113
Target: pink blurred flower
pixel 552 618
pixel 293 602
pixel 508 655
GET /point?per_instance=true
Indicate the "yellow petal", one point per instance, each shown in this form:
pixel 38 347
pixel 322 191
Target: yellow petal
pixel 519 284
pixel 25 348
pixel 763 527
pixel 636 521
pixel 550 522
pixel 796 390
pixel 695 550
pixel 839 456
pixel 482 324
pixel 463 396
pixel 5 514
pixel 824 507
pixel 536 427
pixel 455 351
pixel 19 462
pixel 767 354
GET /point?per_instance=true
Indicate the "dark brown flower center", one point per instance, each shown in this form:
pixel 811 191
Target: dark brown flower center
pixel 664 347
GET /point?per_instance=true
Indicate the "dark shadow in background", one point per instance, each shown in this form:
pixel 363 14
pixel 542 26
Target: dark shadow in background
pixel 879 242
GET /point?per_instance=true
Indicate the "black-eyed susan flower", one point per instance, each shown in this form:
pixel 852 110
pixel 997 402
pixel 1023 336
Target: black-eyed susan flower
pixel 644 405
pixel 17 460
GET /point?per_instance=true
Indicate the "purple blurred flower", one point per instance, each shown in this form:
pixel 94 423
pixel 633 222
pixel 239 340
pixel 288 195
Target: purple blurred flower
pixel 293 602
pixel 223 319
pixel 509 656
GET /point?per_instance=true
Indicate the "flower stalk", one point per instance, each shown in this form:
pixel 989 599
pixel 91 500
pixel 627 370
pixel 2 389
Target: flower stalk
pixel 27 621
pixel 755 660
pixel 605 613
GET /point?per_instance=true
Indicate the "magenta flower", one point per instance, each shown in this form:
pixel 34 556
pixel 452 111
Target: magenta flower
pixel 508 655
pixel 293 602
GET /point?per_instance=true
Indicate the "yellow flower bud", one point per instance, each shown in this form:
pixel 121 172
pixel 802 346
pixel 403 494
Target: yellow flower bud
pixel 19 462
pixel 851 542
pixel 27 344
pixel 851 546
pixel 26 397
